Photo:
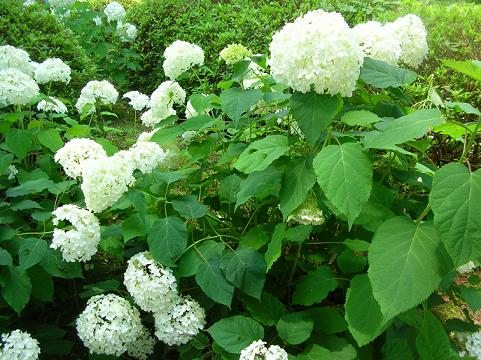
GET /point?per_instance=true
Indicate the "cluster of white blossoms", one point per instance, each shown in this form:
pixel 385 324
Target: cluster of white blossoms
pixel 52 104
pixel 109 325
pixel 75 152
pixel 14 58
pixel 308 213
pixel 180 56
pixel 143 346
pixel 81 242
pixel 97 91
pixel 138 100
pixel 252 78
pixel 62 4
pixel 114 11
pixel 12 172
pixel 52 69
pixel 16 88
pixel 184 321
pixel 412 36
pixel 472 344
pixel 162 103
pixel 317 51
pixel 145 156
pixel 18 345
pixel 378 41
pixel 466 268
pixel 234 53
pixel 126 31
pixel 152 286
pixel 258 350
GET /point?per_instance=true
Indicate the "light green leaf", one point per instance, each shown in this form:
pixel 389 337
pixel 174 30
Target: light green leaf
pixel 403 129
pixel 235 333
pixel 25 204
pixel 298 179
pixel 5 161
pixel 359 302
pixel 51 139
pixel 472 297
pixel 267 310
pixel 16 288
pixel 314 113
pixel 382 75
pixel 255 238
pixel 19 142
pixel 456 202
pixel 193 258
pixel 261 153
pixel 344 173
pixel 235 102
pixel 189 207
pixel 274 248
pixel 314 287
pixel 30 187
pixel 295 328
pixel 167 239
pixel 31 252
pixel 245 268
pixel 470 68
pixel 463 107
pixel 360 118
pixel 404 264
pixel 212 281
pixel 260 184
pixel 316 352
pixel 229 188
pixel 357 245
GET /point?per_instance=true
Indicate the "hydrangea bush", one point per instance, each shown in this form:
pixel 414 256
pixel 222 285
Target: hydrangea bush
pixel 296 213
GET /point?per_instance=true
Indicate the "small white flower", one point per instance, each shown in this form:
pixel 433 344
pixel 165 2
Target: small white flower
pixel 52 105
pixel 12 172
pixel 97 91
pixel 138 100
pixel 127 31
pixel 97 20
pixel 234 53
pixel 114 11
pixel 472 343
pixel 180 56
pixel 143 346
pixel 52 69
pixel 419 179
pixel 258 350
pixel 162 102
pixel 466 268
pixel 18 345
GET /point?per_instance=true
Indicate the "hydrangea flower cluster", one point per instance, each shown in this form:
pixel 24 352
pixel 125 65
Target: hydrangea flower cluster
pixel 317 51
pixel 114 12
pixel 101 91
pixel 109 325
pixel 234 53
pixel 180 56
pixel 144 156
pixel 16 88
pixel 62 4
pixel 184 321
pixel 308 213
pixel 126 31
pixel 378 41
pixel 466 268
pixel 18 345
pixel 472 343
pixel 12 172
pixel 52 104
pixel 76 151
pixel 143 346
pixel 258 350
pixel 152 286
pixel 52 69
pixel 138 100
pixel 14 58
pixel 162 103
pixel 81 242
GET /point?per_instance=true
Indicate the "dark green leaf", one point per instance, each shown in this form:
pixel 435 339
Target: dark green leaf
pixel 191 261
pixel 16 288
pixel 267 310
pixel 382 75
pixel 189 207
pixel 260 184
pixel 295 328
pixel 51 139
pixel 235 102
pixel 31 252
pixel 212 281
pixel 314 287
pixel 167 239
pixel 30 187
pixel 19 142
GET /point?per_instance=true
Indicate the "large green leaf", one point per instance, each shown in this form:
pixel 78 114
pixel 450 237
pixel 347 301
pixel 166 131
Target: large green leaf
pixel 51 139
pixel 5 161
pixel 382 75
pixel 167 239
pixel 30 187
pixel 53 264
pixel 235 333
pixel 19 142
pixel 360 302
pixel 267 310
pixel 315 352
pixel 229 188
pixel 314 113
pixel 274 249
pixel 16 288
pixel 212 281
pixel 31 252
pixel 403 129
pixel 235 102
pixel 360 118
pixel 298 179
pixel 295 328
pixel 404 264
pixel 261 153
pixel 189 207
pixel 344 173
pixel 327 320
pixel 245 268
pixel 470 68
pixel 193 258
pixel 456 202
pixel 472 297
pixel 260 184
pixel 314 287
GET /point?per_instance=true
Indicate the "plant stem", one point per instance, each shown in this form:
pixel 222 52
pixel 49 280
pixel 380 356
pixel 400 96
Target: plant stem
pixel 470 141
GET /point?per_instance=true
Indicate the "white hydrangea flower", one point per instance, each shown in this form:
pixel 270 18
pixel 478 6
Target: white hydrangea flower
pixel 97 20
pixel 52 105
pixel 138 100
pixel 472 343
pixel 180 56
pixel 52 69
pixel 63 4
pixel 181 323
pixel 146 136
pixel 152 286
pixel 317 50
pixel 14 58
pixel 412 36
pixel 18 345
pixel 143 346
pixel 76 151
pixel 101 91
pixel 146 156
pixel 234 53
pixel 28 3
pixel 308 213
pixel 162 101
pixel 378 41
pixel 109 325
pixel 12 172
pixel 258 350
pixel 16 88
pixel 81 242
pixel 114 11
pixel 466 268
pixel 105 180
pixel 127 31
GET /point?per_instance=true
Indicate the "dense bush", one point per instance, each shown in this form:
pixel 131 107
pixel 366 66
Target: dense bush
pixel 43 36
pixel 215 24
